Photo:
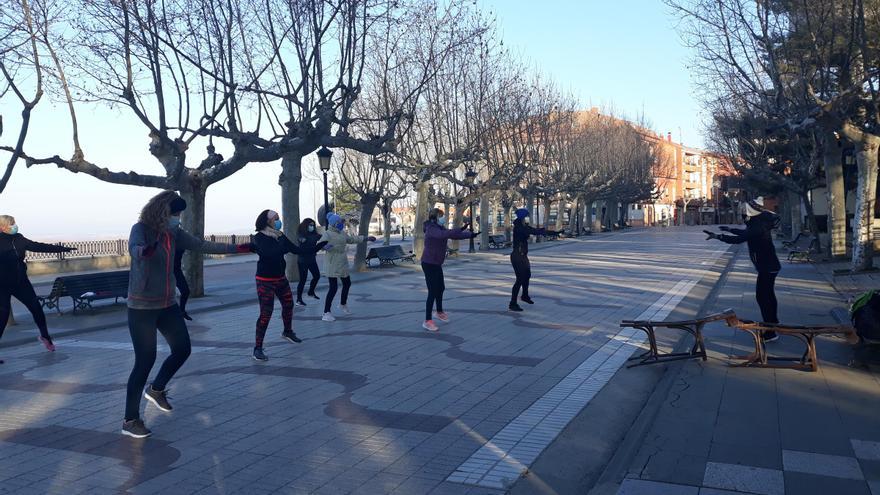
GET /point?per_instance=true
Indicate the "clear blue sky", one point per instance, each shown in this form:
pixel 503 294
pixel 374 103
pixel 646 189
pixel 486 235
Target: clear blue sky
pixel 624 53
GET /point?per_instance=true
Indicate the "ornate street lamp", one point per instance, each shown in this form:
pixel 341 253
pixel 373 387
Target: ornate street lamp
pixel 324 155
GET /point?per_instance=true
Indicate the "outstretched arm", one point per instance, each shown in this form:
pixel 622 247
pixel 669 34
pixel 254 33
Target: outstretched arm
pixel 189 242
pixel 40 247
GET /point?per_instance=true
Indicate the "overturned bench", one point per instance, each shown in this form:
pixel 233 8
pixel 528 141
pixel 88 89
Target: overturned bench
pixel 807 334
pixel 387 255
pixel 692 327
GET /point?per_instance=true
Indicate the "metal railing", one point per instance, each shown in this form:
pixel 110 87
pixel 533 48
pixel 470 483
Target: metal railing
pixel 118 247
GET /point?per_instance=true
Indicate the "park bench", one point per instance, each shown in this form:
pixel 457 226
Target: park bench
pixel 693 327
pixel 552 236
pixel 84 289
pixel 498 242
pixel 801 247
pixel 807 334
pixel 451 252
pixel 387 255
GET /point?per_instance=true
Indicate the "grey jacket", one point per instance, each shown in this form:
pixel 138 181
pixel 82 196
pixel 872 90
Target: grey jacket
pixel 151 283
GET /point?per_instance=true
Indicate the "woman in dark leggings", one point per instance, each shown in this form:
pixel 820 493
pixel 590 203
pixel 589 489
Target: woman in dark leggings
pixel 308 237
pixel 759 226
pixel 433 256
pixel 152 304
pixel 14 281
pixel 519 258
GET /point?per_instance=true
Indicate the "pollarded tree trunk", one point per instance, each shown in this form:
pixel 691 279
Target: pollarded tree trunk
pixel 386 217
pixel 794 205
pixel 193 221
pixel 560 214
pixel 506 206
pixel 457 222
pixel 545 219
pixel 368 205
pixel 863 242
pixel 812 224
pixel 289 180
pixel 418 234
pixel 484 222
pixel 836 198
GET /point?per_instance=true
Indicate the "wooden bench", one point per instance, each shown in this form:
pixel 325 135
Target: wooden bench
pixel 801 247
pixel 84 289
pixel 807 334
pixel 693 327
pixel 498 242
pixel 387 255
pixel 451 252
pixel 552 235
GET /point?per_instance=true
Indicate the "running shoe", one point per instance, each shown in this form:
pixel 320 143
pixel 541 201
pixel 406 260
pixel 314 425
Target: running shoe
pixel 514 307
pixel 769 337
pixel 159 398
pixel 187 317
pixel 314 296
pixel 300 303
pixel 328 317
pixel 442 315
pixel 344 309
pixel 527 299
pixel 135 428
pixel 258 354
pixel 291 337
pixel 430 326
pixel 47 343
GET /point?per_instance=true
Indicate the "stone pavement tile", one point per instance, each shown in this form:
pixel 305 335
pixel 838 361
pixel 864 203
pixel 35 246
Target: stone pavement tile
pixel 646 487
pixel 866 449
pixel 810 484
pixel 744 478
pixel 822 464
pixel 674 467
pixel 871 469
pixel 716 491
pixel 746 454
pixel 413 486
pixel 874 486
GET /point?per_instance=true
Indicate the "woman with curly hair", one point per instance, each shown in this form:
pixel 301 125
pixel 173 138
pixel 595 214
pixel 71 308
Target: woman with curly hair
pixel 14 281
pixel 152 304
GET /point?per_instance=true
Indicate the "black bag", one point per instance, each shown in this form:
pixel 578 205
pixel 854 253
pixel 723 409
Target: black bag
pixel 865 314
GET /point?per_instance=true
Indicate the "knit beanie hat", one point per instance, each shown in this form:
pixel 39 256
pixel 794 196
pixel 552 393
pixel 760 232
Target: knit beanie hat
pixel 521 213
pixel 177 205
pixel 333 219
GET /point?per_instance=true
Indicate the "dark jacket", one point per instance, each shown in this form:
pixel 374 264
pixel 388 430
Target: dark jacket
pixel 271 264
pixel 758 236
pixel 309 241
pixel 151 281
pixel 13 248
pixel 435 241
pixel 521 233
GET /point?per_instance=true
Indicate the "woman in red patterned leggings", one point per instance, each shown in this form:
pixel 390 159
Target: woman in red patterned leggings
pixel 271 245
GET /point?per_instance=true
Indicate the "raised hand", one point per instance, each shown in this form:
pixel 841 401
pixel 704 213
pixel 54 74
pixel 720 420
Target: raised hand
pixel 711 235
pixel 724 228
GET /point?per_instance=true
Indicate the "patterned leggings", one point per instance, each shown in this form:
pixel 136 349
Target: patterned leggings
pixel 267 290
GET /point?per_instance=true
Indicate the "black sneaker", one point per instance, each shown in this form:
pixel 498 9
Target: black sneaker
pixel 314 296
pixel 258 354
pixel 300 302
pixel 527 299
pixel 135 428
pixel 769 336
pixel 514 307
pixel 159 398
pixel 187 317
pixel 291 337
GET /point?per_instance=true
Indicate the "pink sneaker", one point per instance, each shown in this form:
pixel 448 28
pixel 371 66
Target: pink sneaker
pixel 430 326
pixel 48 344
pixel 442 316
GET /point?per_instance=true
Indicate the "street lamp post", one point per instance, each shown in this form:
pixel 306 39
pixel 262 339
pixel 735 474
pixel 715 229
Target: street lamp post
pixel 324 155
pixel 471 179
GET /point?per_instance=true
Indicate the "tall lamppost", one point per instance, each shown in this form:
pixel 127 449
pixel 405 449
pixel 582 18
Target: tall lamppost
pixel 324 155
pixel 471 177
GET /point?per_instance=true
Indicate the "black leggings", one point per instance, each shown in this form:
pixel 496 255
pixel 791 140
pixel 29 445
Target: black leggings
pixel 523 270
pixel 24 292
pixel 346 284
pixel 766 296
pixel 182 287
pixel 436 286
pixel 304 269
pixel 142 325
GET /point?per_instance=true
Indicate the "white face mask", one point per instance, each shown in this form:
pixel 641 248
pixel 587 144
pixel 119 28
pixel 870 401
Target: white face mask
pixel 527 220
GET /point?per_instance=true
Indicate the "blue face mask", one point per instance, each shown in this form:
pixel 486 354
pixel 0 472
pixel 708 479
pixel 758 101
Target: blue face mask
pixel 441 221
pixel 278 224
pixel 13 230
pixel 174 222
pixel 311 228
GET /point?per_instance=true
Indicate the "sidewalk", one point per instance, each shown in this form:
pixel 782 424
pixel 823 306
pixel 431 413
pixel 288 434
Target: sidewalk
pixel 723 430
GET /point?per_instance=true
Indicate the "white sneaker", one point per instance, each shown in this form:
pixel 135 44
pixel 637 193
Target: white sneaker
pixel 328 317
pixel 344 309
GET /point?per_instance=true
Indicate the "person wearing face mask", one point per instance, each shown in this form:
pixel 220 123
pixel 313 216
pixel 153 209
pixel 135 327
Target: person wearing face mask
pixel 152 305
pixel 336 262
pixel 14 281
pixel 308 239
pixel 519 257
pixel 271 245
pixel 760 223
pixel 433 256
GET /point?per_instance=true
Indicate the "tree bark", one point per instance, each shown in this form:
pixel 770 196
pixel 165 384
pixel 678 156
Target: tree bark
pixel 506 206
pixel 368 205
pixel 546 217
pixel 193 221
pixel 560 213
pixel 836 194
pixel 418 234
pixel 812 224
pixel 458 222
pixel 386 217
pixel 484 222
pixel 289 180
pixel 794 205
pixel 863 242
